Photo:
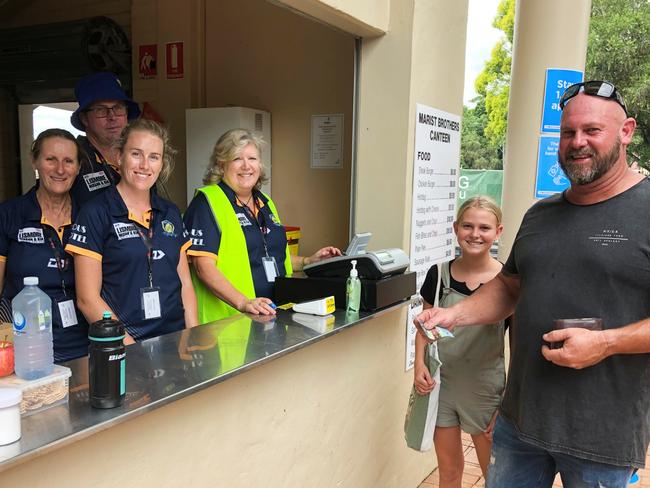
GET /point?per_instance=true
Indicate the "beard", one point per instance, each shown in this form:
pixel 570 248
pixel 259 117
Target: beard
pixel 580 174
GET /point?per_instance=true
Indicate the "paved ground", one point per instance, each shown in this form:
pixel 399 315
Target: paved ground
pixel 472 477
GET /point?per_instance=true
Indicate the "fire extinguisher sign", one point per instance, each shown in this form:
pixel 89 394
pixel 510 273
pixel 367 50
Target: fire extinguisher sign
pixel 174 59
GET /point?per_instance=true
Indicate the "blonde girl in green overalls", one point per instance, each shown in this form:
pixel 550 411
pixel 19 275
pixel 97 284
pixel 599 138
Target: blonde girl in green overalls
pixel 472 375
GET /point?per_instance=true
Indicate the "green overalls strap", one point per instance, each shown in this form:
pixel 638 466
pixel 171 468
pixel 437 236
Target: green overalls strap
pixel 232 259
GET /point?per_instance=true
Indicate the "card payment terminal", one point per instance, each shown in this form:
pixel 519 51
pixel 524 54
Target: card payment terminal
pixel 372 265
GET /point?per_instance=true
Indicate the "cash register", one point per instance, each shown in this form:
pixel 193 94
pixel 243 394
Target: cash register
pixel 382 275
pixel 372 265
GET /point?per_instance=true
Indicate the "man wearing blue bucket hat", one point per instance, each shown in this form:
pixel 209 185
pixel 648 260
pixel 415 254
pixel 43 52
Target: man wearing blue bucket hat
pixel 104 110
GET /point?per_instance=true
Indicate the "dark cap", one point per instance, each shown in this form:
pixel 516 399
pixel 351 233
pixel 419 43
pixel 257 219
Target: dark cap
pixel 100 86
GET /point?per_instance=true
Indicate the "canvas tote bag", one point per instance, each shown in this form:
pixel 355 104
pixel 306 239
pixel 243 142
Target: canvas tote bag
pixel 422 410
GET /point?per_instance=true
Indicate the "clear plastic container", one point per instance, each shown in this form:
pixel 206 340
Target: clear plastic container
pixel 32 315
pixel 42 393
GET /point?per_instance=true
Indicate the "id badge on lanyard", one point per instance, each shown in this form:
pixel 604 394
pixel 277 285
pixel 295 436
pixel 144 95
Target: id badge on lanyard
pixel 270 268
pixel 67 312
pixel 150 301
pixel 150 295
pixel 66 307
pixel 268 262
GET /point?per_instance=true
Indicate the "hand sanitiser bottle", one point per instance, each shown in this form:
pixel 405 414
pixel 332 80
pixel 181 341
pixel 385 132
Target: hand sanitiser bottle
pixel 32 314
pixel 353 289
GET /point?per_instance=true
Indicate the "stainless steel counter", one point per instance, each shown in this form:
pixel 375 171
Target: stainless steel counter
pixel 170 367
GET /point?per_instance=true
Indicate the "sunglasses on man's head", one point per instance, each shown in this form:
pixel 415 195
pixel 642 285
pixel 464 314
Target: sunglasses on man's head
pixel 594 88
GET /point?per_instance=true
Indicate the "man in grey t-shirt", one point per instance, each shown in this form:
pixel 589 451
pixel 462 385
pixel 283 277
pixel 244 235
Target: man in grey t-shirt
pixel 582 410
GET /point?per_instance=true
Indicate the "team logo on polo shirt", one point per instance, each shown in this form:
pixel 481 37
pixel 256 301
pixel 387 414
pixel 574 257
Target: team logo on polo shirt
pixel 243 220
pixel 96 181
pixel 125 231
pixel 31 235
pixel 52 263
pixel 168 228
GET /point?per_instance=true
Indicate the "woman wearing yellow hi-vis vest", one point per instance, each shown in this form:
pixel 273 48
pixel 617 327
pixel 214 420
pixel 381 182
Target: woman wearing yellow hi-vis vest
pixel 239 245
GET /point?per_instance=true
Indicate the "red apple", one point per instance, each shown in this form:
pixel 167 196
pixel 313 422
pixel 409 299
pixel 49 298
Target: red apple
pixel 6 358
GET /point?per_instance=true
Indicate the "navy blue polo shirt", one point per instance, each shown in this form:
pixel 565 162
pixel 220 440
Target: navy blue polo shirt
pixel 206 235
pixel 26 249
pixel 96 174
pixel 106 231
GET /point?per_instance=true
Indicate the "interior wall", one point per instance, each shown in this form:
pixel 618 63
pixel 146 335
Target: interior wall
pixel 9 161
pixel 261 56
pixel 34 12
pixel 160 22
pixel 286 64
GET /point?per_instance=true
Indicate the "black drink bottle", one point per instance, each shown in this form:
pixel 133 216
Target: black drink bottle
pixel 107 363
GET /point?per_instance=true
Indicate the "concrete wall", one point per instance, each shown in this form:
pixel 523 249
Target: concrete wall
pixel 328 415
pixel 543 39
pixel 421 60
pixel 363 18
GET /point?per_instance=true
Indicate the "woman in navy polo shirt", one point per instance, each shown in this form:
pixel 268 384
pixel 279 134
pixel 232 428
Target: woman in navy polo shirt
pixel 129 244
pixel 239 245
pixel 34 229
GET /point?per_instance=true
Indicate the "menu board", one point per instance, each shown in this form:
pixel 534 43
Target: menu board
pixel 436 162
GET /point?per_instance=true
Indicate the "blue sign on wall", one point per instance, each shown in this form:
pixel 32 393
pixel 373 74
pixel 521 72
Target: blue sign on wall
pixel 557 80
pixel 550 177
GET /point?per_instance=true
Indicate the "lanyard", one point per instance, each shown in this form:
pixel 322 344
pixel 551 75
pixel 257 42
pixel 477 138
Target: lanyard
pixel 148 243
pixel 262 227
pixel 59 257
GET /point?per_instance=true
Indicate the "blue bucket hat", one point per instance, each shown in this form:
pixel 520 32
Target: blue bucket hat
pixel 100 86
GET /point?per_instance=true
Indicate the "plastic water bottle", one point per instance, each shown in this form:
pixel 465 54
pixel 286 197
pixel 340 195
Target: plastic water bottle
pixel 32 314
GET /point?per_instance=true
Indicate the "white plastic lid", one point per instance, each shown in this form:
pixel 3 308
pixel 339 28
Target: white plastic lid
pixel 30 280
pixel 353 272
pixel 10 397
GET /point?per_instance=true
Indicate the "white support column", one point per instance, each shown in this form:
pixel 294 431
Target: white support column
pixel 549 34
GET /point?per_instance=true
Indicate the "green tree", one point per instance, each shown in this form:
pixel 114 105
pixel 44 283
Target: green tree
pixel 475 151
pixel 493 83
pixel 619 51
